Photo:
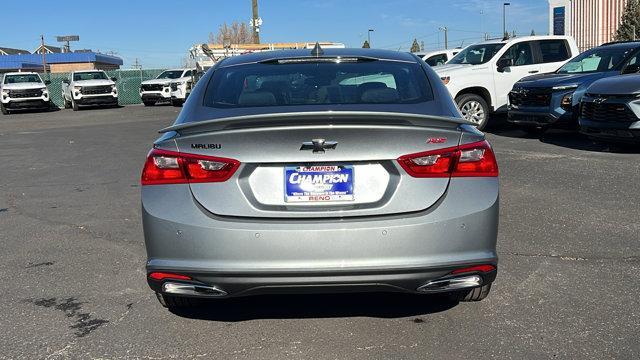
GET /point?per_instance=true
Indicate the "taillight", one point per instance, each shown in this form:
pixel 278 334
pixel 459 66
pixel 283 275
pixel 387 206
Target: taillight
pixel 469 160
pixel 163 275
pixel 170 167
pixel 477 268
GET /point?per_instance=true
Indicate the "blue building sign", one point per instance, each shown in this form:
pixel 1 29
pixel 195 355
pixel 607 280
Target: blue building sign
pixel 558 20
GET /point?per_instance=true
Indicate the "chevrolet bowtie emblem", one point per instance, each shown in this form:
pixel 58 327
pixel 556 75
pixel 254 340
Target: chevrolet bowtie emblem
pixel 318 145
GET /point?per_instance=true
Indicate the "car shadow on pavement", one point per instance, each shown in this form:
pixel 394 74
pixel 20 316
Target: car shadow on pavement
pixel 571 139
pixel 377 305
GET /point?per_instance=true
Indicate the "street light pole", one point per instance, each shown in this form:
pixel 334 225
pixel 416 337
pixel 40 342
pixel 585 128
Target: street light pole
pixel 446 36
pixel 369 36
pixel 504 18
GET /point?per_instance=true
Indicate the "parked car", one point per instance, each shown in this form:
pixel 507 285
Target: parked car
pixel 480 77
pixel 23 90
pixel 89 87
pixel 298 171
pixel 181 87
pixel 158 89
pixel 540 101
pixel 610 109
pixel 438 57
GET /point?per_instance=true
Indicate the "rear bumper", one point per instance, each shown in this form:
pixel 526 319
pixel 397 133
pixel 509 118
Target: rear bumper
pixel 246 256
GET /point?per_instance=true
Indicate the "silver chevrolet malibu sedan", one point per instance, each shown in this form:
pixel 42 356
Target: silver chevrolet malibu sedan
pixel 323 170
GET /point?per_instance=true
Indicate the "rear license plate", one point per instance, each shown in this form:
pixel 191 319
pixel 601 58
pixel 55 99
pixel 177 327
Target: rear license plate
pixel 318 183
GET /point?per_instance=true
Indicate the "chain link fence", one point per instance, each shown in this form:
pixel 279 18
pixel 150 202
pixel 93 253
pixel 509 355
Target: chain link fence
pixel 128 84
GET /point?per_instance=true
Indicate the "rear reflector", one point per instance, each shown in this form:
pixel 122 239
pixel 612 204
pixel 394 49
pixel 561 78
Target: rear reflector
pixel 163 275
pixel 469 160
pixel 476 268
pixel 170 167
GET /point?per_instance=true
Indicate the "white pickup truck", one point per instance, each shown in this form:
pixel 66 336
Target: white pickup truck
pixel 89 87
pixel 159 89
pixel 181 87
pixel 480 77
pixel 23 90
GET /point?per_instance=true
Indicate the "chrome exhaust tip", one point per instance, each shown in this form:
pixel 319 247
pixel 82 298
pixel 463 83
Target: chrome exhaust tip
pixel 192 289
pixel 454 283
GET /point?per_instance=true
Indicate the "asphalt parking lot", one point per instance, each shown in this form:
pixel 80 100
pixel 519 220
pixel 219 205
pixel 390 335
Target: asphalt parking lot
pixel 73 280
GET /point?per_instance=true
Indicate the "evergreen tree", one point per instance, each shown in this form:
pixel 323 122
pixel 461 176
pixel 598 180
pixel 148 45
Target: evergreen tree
pixel 630 21
pixel 365 45
pixel 415 47
pixel 533 33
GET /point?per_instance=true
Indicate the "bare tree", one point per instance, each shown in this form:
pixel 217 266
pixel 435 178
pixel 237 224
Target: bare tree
pixel 238 33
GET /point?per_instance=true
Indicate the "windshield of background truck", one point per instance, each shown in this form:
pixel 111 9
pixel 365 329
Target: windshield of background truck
pixel 28 78
pixel 595 60
pixel 476 54
pixel 94 75
pixel 170 74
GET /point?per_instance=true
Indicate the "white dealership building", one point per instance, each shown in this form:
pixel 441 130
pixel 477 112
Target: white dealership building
pixel 590 22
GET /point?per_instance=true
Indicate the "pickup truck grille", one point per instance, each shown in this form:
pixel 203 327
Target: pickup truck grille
pixel 534 97
pixel 151 87
pixel 96 90
pixel 598 109
pixel 26 93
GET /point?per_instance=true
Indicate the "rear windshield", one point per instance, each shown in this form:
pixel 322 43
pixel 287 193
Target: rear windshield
pixel 308 83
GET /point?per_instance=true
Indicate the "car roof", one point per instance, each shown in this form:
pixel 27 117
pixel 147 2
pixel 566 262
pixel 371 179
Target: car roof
pixel 334 52
pixel 621 44
pixel 524 38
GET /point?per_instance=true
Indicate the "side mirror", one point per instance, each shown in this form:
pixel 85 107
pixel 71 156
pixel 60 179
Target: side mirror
pixel 504 63
pixel 631 69
pixel 114 79
pixel 47 82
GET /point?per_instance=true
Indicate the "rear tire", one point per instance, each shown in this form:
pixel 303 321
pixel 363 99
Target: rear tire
pixel 149 103
pixel 176 302
pixel 74 105
pixel 3 109
pixel 67 104
pixel 475 294
pixel 474 108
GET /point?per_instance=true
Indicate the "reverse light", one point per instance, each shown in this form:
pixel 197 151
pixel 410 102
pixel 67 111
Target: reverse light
pixel 171 167
pixel 469 160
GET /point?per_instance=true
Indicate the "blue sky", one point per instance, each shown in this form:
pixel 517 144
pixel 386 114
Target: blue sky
pixel 159 33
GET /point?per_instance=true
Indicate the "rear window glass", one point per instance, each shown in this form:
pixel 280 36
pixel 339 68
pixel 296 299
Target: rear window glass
pixel 308 83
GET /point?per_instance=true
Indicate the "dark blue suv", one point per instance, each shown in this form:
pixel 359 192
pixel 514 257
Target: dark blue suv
pixel 539 101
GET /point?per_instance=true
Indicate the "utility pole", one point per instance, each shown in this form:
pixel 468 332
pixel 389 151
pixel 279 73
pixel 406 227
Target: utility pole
pixel 369 36
pixel 504 18
pixel 44 56
pixel 446 36
pixel 255 22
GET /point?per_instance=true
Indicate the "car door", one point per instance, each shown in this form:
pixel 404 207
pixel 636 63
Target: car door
pixel 521 55
pixel 551 54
